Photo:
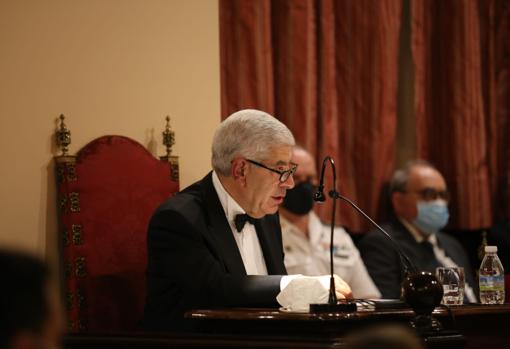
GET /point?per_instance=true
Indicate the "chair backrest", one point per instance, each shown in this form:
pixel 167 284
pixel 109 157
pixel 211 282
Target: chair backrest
pixel 107 194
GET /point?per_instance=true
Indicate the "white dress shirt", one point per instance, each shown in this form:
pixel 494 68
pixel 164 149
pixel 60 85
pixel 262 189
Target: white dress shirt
pixel 440 255
pixel 310 256
pixel 247 239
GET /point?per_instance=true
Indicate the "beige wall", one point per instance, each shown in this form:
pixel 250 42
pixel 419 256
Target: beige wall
pixel 112 67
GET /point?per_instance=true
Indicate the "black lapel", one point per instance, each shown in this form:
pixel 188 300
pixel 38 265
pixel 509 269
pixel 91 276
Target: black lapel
pixel 220 229
pixel 267 232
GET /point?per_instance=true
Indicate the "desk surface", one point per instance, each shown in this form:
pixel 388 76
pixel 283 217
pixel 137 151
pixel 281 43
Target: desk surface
pixel 275 314
pixel 480 326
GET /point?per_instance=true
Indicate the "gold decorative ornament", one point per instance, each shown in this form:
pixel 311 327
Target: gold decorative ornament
pixel 80 270
pixel 67 270
pixel 168 137
pixel 66 169
pixel 69 300
pixel 61 174
pixel 169 141
pixel 80 298
pixel 62 203
pixel 63 136
pixel 77 234
pixel 74 199
pixel 71 171
pixel 65 238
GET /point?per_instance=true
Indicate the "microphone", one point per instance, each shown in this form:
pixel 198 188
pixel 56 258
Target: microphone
pixel 319 194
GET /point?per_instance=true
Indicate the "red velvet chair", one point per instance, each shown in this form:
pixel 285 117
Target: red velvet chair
pixel 106 196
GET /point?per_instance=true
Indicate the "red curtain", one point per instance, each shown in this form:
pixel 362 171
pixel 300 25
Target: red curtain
pixel 328 70
pixel 461 114
pixel 246 56
pixel 495 42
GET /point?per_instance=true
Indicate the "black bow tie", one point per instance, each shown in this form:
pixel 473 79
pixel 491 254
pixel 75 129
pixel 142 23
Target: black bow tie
pixel 241 220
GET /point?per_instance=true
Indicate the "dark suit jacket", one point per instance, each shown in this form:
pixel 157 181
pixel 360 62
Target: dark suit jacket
pixel 383 262
pixel 194 262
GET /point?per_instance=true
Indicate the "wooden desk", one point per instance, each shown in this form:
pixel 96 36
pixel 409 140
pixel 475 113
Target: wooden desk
pixel 481 326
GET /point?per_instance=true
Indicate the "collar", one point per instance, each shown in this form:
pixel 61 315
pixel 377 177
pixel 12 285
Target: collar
pixel 314 227
pixel 416 234
pixel 230 206
pixel 288 226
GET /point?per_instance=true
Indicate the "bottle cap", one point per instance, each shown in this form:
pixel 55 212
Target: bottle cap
pixel 491 249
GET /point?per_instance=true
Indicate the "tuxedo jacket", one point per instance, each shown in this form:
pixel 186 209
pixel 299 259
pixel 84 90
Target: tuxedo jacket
pixel 383 262
pixel 194 261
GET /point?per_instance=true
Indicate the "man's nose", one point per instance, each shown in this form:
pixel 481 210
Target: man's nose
pixel 289 183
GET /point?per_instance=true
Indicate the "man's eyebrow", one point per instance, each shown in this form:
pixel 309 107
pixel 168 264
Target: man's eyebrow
pixel 433 189
pixel 281 162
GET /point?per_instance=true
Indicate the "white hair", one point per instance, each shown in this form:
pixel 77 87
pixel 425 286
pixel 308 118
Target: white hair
pixel 248 133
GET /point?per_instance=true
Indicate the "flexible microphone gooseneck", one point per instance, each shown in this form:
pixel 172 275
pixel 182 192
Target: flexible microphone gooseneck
pixel 319 196
pixel 408 266
pixel 420 289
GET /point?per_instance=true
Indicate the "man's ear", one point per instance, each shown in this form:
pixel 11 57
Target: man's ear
pixel 239 170
pixel 397 201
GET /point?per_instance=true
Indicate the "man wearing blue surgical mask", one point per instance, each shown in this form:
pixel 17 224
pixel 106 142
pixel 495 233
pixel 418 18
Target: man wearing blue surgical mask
pixel 419 198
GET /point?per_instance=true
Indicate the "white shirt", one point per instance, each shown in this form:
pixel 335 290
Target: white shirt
pixel 311 256
pixel 247 239
pixel 440 255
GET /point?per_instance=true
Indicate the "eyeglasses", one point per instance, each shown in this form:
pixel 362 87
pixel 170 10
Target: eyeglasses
pixel 284 175
pixel 430 194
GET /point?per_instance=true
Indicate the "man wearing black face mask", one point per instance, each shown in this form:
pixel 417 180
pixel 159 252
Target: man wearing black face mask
pixel 306 240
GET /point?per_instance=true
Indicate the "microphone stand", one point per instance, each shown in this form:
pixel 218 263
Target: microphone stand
pixel 333 304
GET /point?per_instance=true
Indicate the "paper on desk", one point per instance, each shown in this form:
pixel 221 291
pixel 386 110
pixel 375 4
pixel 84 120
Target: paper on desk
pixel 301 292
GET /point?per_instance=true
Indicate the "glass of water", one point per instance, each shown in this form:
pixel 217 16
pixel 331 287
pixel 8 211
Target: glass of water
pixel 452 279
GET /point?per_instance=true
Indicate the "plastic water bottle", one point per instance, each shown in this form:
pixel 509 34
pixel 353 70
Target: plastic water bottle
pixel 492 278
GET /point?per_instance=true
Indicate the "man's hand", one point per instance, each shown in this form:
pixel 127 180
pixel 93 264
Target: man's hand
pixel 342 289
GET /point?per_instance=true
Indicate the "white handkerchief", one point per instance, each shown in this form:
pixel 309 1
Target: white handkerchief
pixel 301 292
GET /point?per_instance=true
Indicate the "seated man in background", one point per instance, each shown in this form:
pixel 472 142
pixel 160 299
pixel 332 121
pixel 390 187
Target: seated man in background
pixel 31 315
pixel 218 242
pixel 306 239
pixel 419 199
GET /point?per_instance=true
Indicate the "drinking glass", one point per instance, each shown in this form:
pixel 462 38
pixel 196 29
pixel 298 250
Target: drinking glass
pixel 452 279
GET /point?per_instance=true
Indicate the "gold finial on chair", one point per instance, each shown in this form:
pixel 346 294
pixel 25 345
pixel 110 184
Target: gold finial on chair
pixel 63 136
pixel 168 137
pixel 169 141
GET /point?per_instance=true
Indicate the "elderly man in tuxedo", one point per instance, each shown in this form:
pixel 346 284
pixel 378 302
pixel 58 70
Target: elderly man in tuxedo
pixel 218 242
pixel 419 198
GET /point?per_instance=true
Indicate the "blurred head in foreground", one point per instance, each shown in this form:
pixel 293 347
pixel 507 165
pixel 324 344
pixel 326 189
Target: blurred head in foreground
pixel 391 336
pixel 31 315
